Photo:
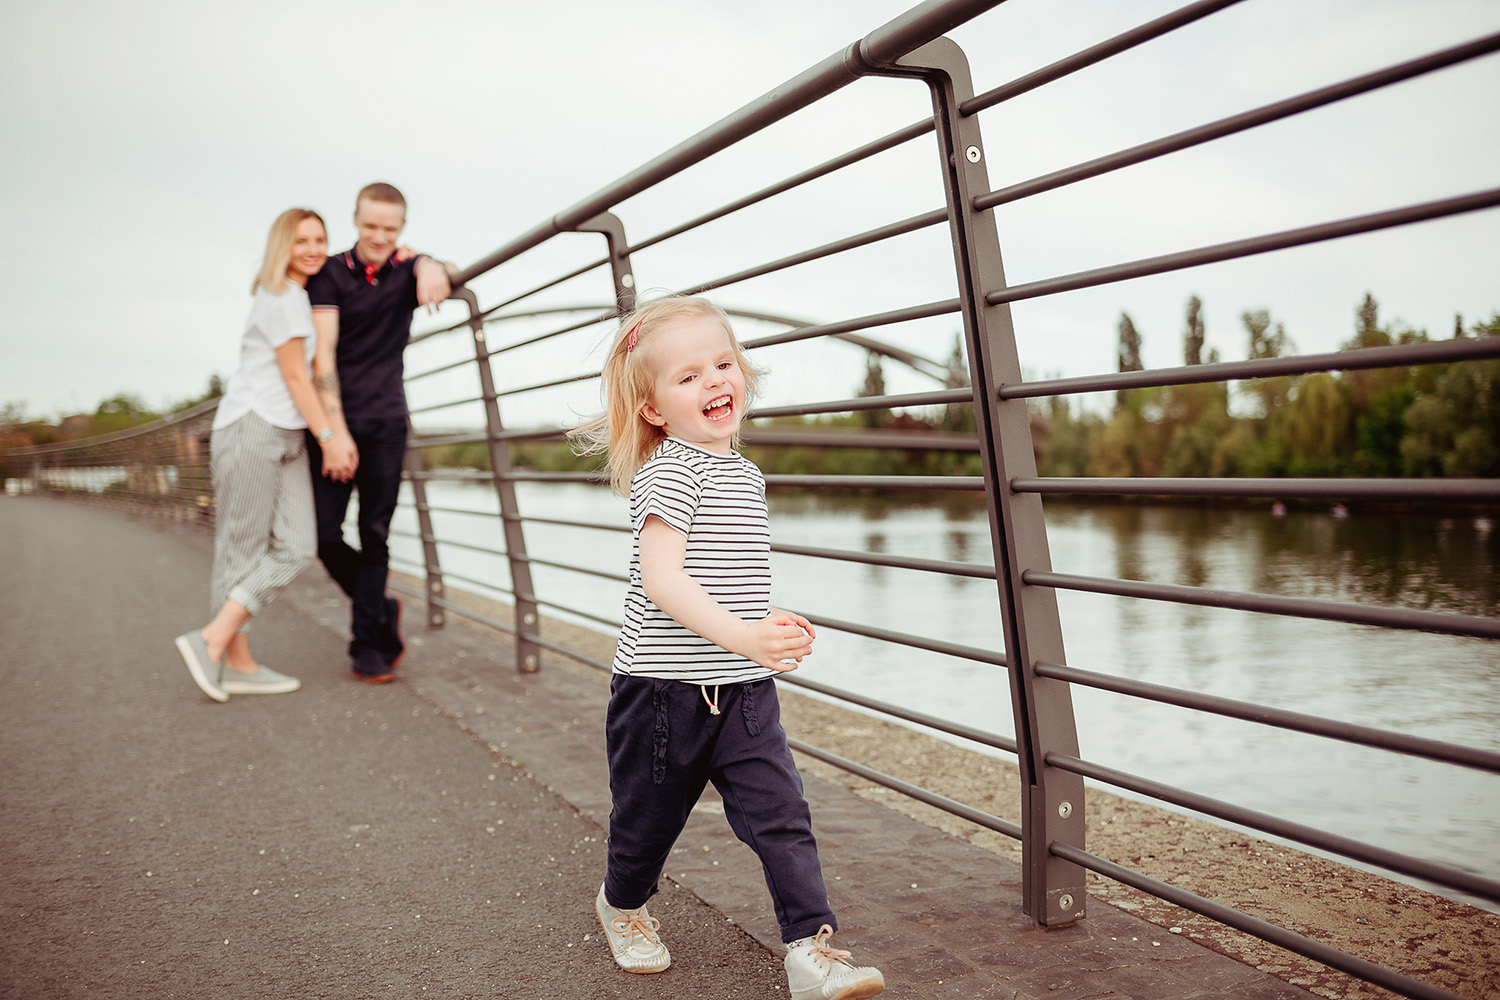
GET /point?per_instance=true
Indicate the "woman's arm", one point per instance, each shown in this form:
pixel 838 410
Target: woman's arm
pixel 291 358
pixel 778 637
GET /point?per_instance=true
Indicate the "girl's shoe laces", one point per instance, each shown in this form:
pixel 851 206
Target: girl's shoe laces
pixel 824 952
pixel 637 923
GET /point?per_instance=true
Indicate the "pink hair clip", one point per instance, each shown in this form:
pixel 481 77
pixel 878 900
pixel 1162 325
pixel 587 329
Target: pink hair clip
pixel 633 337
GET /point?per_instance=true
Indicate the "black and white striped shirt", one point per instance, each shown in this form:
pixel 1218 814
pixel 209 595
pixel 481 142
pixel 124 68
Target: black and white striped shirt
pixel 718 502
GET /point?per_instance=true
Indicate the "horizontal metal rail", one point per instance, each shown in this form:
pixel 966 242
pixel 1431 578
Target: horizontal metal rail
pixel 486 584
pixel 1373 222
pixel 1240 122
pixel 1094 54
pixel 454 366
pixel 483 619
pixel 1256 927
pixel 914 641
pixel 446 405
pixel 1348 732
pixel 977 816
pixel 867 238
pixel 451 544
pixel 971 733
pixel 1366 489
pixel 623 529
pixel 933 398
pixel 896 440
pixel 958 483
pixel 582 324
pixel 945 566
pixel 1397 355
pixel 433 508
pixel 1300 833
pixel 859 155
pixel 570 567
pixel 943 307
pixel 1294 607
pixel 610 623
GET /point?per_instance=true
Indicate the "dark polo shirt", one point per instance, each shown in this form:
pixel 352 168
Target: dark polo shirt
pixel 374 325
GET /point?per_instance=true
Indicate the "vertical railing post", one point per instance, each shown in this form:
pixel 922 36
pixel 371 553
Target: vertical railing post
pixel 1052 807
pixel 416 473
pixel 621 274
pixel 528 652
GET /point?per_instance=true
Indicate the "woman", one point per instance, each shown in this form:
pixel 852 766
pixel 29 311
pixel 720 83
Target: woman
pixel 265 532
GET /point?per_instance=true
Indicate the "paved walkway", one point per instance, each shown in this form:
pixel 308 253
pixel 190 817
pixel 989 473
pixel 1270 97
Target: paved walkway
pixel 440 837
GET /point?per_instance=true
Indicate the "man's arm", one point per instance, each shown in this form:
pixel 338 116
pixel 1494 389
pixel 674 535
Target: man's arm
pixel 340 457
pixel 433 280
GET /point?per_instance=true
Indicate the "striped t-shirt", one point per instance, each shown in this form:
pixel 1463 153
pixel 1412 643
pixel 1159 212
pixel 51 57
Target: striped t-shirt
pixel 718 502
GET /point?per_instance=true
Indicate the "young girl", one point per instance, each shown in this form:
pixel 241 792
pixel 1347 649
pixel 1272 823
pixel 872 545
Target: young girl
pixel 264 532
pixel 692 700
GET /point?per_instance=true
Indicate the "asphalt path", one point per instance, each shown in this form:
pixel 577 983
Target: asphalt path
pixel 344 841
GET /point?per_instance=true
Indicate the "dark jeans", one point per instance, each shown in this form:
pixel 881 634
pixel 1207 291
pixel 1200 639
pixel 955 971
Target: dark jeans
pixel 664 747
pixel 361 572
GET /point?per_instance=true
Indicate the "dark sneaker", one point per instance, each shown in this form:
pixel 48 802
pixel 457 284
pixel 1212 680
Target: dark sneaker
pixel 391 646
pixel 369 665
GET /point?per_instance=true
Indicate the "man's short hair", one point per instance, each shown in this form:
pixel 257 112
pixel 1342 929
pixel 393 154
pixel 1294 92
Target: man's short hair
pixel 382 192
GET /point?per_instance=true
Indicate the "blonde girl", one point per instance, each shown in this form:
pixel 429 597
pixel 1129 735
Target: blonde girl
pixel 692 699
pixel 264 532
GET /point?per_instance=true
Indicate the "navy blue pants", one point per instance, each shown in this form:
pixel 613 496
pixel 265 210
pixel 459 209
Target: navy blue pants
pixel 664 747
pixel 361 573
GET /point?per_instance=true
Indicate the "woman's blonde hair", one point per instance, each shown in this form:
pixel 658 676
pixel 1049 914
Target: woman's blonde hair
pixel 272 276
pixel 621 432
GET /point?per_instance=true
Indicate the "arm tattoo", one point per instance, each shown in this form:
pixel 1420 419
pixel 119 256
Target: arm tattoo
pixel 328 382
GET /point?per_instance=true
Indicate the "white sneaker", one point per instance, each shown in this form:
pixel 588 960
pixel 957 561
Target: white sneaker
pixel 263 681
pixel 632 937
pixel 815 971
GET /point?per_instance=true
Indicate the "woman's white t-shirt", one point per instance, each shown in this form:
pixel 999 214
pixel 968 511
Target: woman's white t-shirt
pixel 257 385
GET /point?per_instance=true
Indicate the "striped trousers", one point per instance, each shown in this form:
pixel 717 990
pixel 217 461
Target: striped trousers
pixel 265 532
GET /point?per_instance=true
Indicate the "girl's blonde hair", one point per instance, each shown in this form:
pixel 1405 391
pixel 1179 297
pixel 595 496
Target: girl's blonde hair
pixel 272 276
pixel 621 432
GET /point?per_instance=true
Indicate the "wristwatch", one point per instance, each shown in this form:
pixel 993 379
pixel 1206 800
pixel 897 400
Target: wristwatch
pixel 325 435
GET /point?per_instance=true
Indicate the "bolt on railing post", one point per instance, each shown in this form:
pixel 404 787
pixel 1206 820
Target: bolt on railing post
pixel 528 652
pixel 416 471
pixel 623 277
pixel 1052 805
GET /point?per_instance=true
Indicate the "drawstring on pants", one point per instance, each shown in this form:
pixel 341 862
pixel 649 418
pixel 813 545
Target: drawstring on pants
pixel 713 703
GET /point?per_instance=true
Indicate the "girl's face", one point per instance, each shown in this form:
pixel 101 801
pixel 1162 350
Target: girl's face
pixel 698 394
pixel 309 250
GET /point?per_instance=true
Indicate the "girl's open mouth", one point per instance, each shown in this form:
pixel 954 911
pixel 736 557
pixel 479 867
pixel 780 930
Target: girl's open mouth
pixel 719 409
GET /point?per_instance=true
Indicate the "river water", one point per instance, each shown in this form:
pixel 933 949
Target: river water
pixel 1441 687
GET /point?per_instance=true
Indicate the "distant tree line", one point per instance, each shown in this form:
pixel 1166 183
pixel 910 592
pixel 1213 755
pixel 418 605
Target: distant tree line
pixel 1422 421
pixel 1428 420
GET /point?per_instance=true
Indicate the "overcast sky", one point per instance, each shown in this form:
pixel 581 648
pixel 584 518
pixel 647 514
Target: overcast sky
pixel 148 146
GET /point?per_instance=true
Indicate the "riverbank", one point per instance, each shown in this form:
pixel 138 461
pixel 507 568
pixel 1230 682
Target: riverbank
pixel 1429 937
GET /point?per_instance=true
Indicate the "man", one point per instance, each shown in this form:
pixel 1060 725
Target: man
pixel 362 302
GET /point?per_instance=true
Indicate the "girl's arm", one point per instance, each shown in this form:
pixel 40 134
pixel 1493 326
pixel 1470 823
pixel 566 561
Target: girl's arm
pixel 778 637
pixel 291 358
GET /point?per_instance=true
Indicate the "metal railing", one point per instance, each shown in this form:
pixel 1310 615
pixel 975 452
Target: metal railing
pixel 500 345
